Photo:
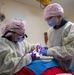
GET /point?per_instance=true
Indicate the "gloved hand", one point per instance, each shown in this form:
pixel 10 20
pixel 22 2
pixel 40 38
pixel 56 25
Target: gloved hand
pixel 44 51
pixel 35 55
pixel 38 48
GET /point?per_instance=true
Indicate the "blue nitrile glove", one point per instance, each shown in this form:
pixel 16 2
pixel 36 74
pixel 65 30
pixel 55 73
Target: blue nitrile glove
pixel 44 51
pixel 35 55
pixel 32 55
pixel 38 48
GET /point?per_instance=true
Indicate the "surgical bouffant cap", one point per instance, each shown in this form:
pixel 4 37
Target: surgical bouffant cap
pixel 53 10
pixel 14 26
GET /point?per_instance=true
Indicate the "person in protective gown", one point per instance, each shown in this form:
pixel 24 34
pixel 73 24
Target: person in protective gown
pixel 60 36
pixel 15 51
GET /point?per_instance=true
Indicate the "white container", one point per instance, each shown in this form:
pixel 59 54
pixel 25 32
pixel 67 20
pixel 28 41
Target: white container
pixel 64 74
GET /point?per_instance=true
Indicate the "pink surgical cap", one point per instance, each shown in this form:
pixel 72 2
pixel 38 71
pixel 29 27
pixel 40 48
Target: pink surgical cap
pixel 15 26
pixel 53 10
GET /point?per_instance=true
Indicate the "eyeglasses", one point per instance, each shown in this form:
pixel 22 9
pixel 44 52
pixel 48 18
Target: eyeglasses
pixel 23 35
pixel 47 19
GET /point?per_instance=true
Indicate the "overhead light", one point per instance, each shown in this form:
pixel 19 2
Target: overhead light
pixel 2 16
pixel 44 3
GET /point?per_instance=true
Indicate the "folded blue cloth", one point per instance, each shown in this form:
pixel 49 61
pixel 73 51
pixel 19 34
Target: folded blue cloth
pixel 40 66
pixel 71 69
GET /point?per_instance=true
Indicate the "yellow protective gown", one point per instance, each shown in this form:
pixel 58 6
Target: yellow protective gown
pixel 61 45
pixel 13 56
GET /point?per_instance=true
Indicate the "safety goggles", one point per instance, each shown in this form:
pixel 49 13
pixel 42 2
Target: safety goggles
pixel 23 35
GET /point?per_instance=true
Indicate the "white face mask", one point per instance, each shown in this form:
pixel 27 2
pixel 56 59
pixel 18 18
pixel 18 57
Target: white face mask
pixel 52 23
